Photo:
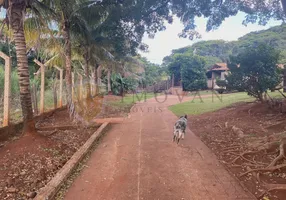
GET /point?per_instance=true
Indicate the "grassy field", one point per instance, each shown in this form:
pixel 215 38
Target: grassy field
pixel 209 104
pixel 203 92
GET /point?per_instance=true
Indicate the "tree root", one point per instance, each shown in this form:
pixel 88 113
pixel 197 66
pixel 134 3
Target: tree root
pixel 217 125
pixel 280 156
pixel 270 188
pixel 270 169
pixel 229 148
pixel 242 156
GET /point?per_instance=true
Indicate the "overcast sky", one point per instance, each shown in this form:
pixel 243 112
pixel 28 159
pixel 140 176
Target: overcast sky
pixel 165 41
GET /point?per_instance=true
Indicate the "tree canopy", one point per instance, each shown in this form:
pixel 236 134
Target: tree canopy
pixel 219 50
pixel 193 73
pixel 189 70
pixel 255 71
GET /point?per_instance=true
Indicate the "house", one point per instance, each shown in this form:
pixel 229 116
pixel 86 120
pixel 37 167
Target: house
pixel 217 71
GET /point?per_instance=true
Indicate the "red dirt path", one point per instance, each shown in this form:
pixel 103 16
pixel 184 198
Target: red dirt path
pixel 137 160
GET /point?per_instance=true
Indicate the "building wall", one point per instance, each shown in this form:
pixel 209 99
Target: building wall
pixel 216 75
pixel 210 83
pixel 223 75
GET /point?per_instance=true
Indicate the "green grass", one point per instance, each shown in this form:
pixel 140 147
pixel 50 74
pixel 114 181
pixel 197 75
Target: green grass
pixel 49 100
pixel 203 92
pixel 276 94
pixel 209 104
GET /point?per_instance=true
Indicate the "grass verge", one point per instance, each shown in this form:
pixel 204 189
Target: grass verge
pixel 209 104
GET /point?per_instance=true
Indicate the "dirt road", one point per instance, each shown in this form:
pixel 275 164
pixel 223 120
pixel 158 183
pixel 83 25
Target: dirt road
pixel 137 160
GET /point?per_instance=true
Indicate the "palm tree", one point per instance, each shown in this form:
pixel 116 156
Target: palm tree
pixel 70 24
pixel 16 12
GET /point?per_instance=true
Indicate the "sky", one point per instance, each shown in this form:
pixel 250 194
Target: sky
pixel 164 42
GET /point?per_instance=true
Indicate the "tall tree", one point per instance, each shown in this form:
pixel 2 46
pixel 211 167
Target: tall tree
pixel 193 73
pixel 68 19
pixel 16 13
pixel 190 70
pixel 255 71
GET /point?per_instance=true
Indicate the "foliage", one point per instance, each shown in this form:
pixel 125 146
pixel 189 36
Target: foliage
pixel 129 84
pixel 174 66
pixel 120 85
pixel 193 73
pixel 255 71
pixel 191 69
pixel 222 86
pixel 153 73
pixel 14 81
pixel 215 51
pixel 8 49
pixel 221 83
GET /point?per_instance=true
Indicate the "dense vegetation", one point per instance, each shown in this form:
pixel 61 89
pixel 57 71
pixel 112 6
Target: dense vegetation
pixel 189 70
pixel 219 51
pixel 257 72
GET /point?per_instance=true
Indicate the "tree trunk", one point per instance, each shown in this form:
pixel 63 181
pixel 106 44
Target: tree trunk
pixel 55 93
pixel 284 81
pixel 35 99
pixel 284 5
pixel 17 14
pixel 94 79
pixel 284 77
pixel 98 71
pixel 87 79
pixel 260 97
pixel 67 49
pixel 108 81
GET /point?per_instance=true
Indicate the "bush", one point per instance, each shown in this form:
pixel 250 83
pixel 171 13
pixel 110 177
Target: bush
pixel 255 71
pixel 221 83
pixel 220 90
pixel 121 85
